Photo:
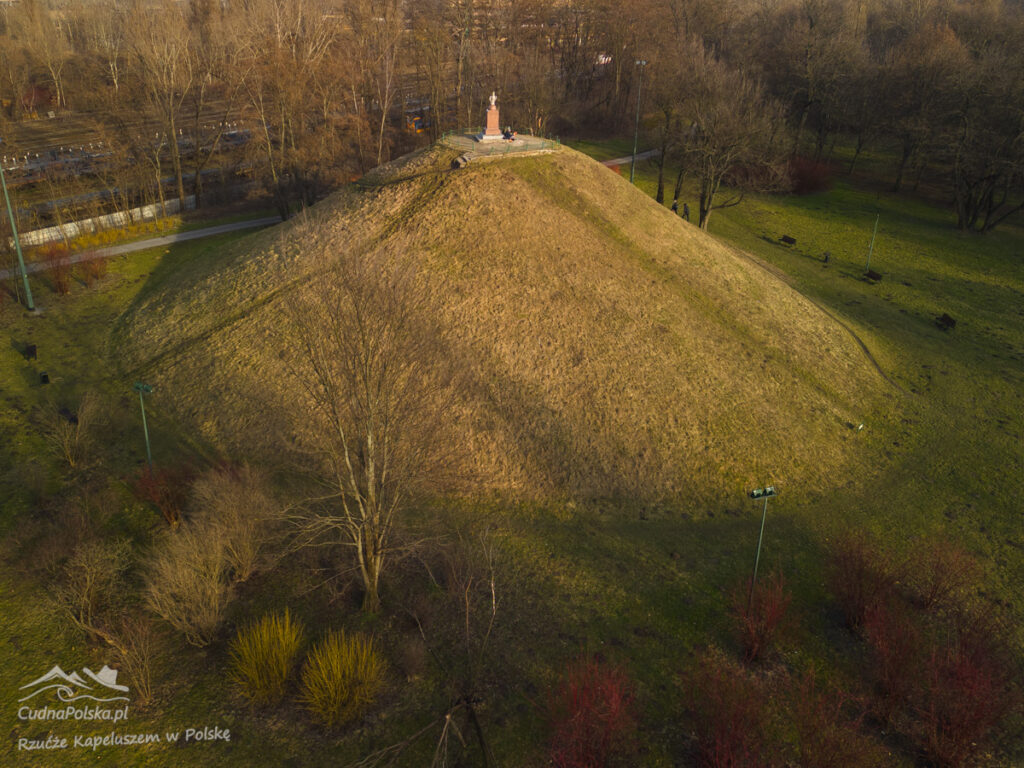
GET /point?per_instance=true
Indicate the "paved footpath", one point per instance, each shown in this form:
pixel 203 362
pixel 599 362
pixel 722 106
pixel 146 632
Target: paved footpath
pixel 628 158
pixel 155 242
pixel 195 234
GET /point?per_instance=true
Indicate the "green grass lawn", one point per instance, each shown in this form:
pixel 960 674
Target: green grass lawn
pixel 955 458
pixel 647 591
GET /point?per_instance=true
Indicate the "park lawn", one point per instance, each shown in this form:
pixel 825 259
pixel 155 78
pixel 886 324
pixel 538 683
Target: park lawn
pixel 955 457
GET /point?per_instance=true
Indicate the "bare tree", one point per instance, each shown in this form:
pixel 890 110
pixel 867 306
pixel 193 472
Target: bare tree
pixel 372 397
pixel 159 40
pixel 734 133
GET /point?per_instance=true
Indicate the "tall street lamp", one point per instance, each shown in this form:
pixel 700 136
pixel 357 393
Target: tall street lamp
pixel 17 243
pixel 759 493
pixel 144 389
pixel 636 132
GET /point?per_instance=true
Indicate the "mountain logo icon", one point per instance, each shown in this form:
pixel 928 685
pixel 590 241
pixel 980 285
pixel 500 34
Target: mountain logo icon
pixel 99 686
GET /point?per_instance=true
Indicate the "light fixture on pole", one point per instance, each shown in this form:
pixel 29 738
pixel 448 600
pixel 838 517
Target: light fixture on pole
pixel 759 493
pixel 642 63
pixel 17 243
pixel 144 389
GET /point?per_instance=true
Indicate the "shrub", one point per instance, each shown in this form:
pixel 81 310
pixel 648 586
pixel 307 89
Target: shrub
pixel 896 649
pixel 758 617
pixel 93 269
pixel 188 582
pixel 940 574
pixel 239 504
pixel 591 715
pixel 809 176
pixel 965 693
pixel 55 258
pixel 729 708
pixel 165 488
pixel 341 678
pixel 72 434
pixel 262 656
pixel 861 576
pixel 92 582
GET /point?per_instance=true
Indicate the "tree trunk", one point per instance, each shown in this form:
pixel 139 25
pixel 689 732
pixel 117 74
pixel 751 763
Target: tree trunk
pixel 679 185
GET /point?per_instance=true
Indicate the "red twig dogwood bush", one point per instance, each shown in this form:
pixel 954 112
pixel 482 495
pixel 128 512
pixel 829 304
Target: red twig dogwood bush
pixel 760 614
pixel 592 716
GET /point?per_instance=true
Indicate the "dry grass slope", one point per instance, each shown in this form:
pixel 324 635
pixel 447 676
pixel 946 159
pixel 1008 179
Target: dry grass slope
pixel 616 352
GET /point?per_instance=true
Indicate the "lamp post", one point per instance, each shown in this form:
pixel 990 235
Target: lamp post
pixel 871 248
pixel 636 131
pixel 759 493
pixel 144 389
pixel 17 243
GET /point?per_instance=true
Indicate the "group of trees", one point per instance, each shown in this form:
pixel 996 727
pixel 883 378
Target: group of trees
pixel 729 89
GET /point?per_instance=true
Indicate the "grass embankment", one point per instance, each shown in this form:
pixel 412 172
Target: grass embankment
pixel 953 460
pixel 582 571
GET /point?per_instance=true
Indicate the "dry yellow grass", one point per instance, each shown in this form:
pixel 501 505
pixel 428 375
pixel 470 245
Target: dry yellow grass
pixel 615 351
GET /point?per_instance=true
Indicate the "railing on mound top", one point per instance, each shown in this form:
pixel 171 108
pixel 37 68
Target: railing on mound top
pixel 463 139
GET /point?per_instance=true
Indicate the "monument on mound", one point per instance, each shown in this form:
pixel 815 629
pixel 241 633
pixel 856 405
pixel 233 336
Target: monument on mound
pixel 492 131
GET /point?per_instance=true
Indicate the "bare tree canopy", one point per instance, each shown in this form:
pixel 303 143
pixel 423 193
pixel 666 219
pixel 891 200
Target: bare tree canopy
pixel 365 364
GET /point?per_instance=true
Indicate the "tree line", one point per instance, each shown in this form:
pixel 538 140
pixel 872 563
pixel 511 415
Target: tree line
pixel 729 91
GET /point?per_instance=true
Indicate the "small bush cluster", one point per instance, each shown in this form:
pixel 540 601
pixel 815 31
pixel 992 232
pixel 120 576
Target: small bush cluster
pixel 238 506
pixel 92 270
pixel 166 488
pixel 964 694
pixel 55 257
pixel 188 582
pixel 198 562
pixel 104 237
pixel 72 435
pixel 808 176
pixel 939 667
pixel 591 716
pixel 341 678
pixel 730 710
pixel 861 576
pixel 759 614
pixel 263 655
pixel 747 718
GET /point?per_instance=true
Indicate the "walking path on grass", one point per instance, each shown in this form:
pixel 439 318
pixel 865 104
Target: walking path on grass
pixel 629 158
pixel 142 245
pixel 179 237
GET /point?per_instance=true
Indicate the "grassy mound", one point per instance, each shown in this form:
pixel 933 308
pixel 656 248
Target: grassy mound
pixel 616 351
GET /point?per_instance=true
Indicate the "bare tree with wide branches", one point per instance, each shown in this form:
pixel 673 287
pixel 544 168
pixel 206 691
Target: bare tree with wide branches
pixel 373 398
pixel 733 133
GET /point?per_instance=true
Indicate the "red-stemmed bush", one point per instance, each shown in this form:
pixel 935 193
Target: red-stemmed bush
pixel 55 257
pixel 93 270
pixel 896 650
pixel 592 716
pixel 808 176
pixel 940 574
pixel 759 614
pixel 730 711
pixel 965 693
pixel 166 488
pixel 861 576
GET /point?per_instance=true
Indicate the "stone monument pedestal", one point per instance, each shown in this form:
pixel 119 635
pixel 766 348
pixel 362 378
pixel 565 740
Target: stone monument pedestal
pixel 492 132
